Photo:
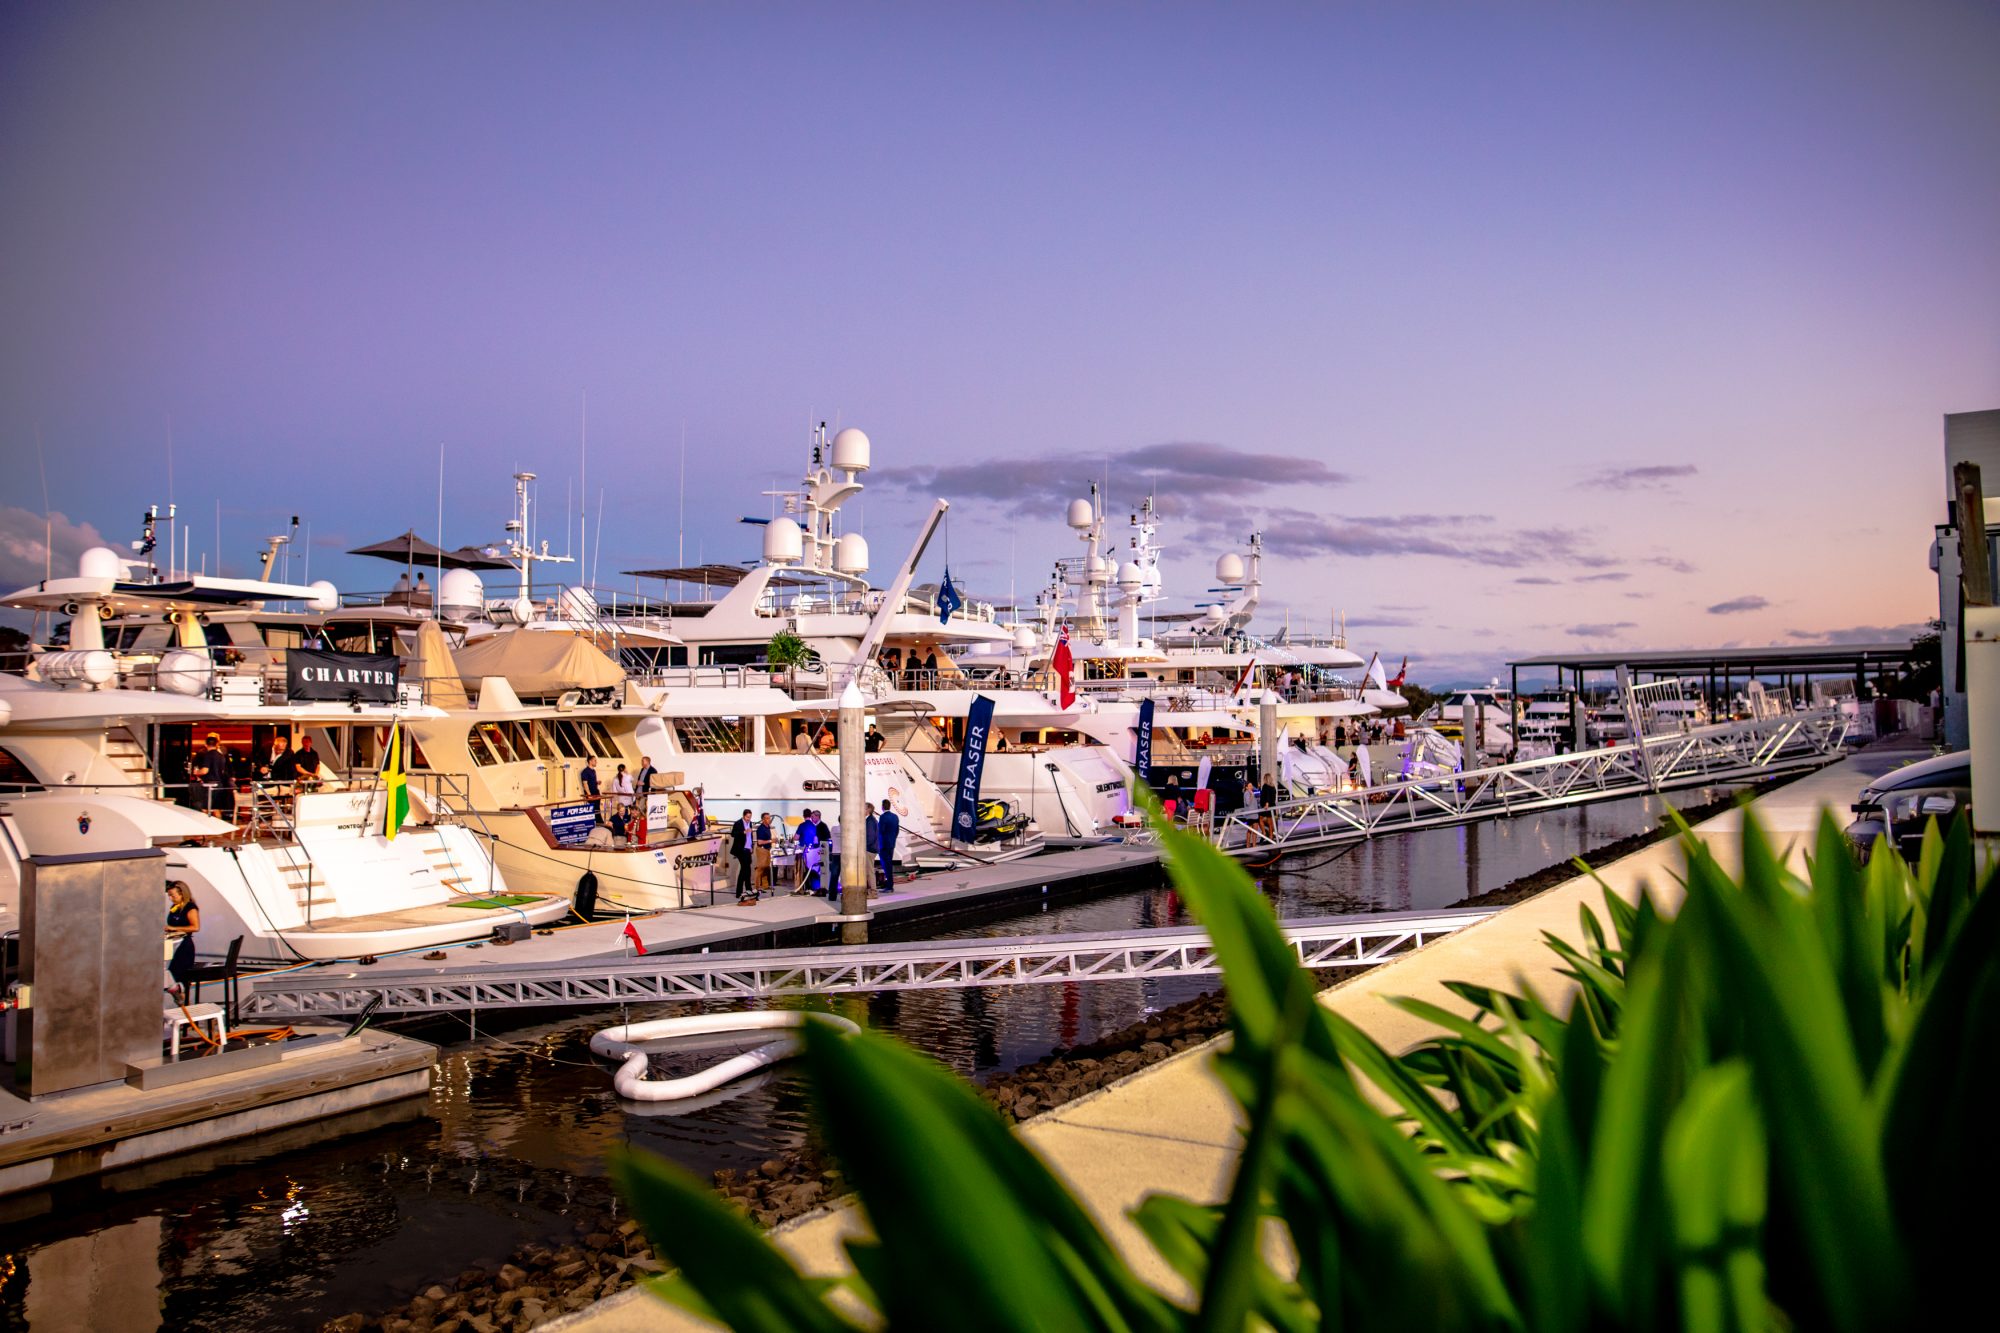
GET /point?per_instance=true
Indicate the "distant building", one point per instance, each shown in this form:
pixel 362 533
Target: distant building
pixel 1969 437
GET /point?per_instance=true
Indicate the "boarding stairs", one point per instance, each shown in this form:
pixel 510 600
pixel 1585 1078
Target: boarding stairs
pixel 1730 753
pixel 1131 955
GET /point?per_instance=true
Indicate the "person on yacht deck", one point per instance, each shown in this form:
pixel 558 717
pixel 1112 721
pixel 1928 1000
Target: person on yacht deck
pixel 588 779
pixel 621 787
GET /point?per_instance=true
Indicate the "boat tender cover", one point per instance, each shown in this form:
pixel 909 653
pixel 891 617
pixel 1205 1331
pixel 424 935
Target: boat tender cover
pixel 545 663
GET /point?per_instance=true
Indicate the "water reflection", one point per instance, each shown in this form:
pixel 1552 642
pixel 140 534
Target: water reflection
pixel 520 1123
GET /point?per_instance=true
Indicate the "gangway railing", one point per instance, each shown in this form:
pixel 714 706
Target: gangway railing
pixel 1133 955
pixel 1734 752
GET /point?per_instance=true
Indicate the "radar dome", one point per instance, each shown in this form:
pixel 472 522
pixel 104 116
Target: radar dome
pixel 1229 568
pixel 783 543
pixel 1024 639
pixel 1080 516
pixel 1131 578
pixel 325 596
pixel 1097 564
pixel 461 592
pixel 851 555
pixel 851 451
pixel 100 562
pixel 1214 615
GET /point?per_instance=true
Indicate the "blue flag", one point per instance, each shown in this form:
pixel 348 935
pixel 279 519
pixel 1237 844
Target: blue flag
pixel 948 599
pixel 965 802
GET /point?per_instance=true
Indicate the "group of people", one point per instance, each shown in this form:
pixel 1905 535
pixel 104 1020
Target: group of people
pixel 617 805
pixel 753 841
pixel 214 774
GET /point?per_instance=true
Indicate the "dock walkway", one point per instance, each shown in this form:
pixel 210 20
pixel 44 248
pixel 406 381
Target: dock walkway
pixel 1172 1127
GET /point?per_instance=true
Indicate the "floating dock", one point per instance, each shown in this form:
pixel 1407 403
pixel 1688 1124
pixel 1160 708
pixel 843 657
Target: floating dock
pixel 165 1109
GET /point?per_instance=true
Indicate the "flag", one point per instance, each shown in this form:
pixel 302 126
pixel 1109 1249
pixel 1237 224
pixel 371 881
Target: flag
pixel 1063 664
pixel 395 787
pixel 948 599
pixel 1396 681
pixel 632 934
pixel 1244 679
pixel 1375 676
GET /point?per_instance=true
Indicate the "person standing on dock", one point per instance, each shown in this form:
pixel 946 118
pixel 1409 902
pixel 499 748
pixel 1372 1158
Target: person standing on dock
pixel 808 836
pixel 760 879
pixel 886 829
pixel 183 920
pixel 742 837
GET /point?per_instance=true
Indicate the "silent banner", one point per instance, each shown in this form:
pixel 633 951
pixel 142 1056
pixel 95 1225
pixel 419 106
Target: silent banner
pixel 1142 747
pixel 965 805
pixel 315 676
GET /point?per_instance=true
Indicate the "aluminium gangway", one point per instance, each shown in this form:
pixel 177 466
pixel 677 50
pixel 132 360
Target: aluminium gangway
pixel 1728 753
pixel 1130 955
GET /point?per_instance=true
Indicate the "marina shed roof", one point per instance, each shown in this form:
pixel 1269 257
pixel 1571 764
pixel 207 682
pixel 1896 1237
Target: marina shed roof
pixel 1796 659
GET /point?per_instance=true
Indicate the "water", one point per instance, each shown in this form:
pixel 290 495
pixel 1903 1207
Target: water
pixel 518 1126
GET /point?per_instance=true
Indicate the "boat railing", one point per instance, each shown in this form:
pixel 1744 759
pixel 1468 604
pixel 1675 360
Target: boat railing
pixel 711 676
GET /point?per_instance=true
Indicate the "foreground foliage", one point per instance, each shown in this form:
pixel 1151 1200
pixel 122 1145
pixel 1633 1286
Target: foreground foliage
pixel 1760 1113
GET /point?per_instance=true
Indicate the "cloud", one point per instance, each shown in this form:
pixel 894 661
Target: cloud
pixel 26 543
pixel 1538 580
pixel 1601 630
pixel 1471 538
pixel 1382 622
pixel 1860 633
pixel 1654 477
pixel 1674 563
pixel 1618 576
pixel 1173 471
pixel 1737 605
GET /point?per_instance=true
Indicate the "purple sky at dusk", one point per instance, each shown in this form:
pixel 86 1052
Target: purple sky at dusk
pixel 1515 327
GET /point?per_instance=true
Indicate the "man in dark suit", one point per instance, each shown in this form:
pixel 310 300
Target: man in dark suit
pixel 742 837
pixel 886 829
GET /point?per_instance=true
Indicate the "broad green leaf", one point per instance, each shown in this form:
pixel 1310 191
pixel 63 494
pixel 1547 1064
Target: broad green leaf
pixel 1715 1169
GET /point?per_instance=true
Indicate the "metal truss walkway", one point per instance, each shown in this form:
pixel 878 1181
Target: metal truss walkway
pixel 1732 752
pixel 1132 955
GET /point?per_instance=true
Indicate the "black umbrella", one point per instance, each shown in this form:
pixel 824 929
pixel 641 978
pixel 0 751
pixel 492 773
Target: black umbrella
pixel 410 549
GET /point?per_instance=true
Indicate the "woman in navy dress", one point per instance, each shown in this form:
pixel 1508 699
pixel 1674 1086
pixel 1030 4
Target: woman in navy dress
pixel 183 920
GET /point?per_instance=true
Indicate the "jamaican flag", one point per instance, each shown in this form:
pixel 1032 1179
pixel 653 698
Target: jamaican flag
pixel 395 787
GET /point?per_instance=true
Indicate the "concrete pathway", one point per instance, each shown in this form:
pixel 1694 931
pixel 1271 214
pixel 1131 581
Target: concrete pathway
pixel 1171 1127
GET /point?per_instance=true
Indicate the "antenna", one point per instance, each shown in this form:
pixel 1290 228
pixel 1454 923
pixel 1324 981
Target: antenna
pixel 583 484
pixel 680 551
pixel 48 515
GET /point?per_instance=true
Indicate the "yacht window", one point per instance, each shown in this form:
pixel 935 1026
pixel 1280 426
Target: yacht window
pixel 487 745
pixel 284 636
pixel 708 735
pixel 153 637
pixel 567 741
pixel 14 775
pixel 520 735
pixel 545 743
pixel 601 742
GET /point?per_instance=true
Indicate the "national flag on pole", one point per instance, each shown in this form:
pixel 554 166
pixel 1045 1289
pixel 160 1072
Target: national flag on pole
pixel 1375 676
pixel 1063 664
pixel 632 934
pixel 1396 681
pixel 948 599
pixel 395 787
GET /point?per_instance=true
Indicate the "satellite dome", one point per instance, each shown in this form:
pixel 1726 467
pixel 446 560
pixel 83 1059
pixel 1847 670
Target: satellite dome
pixel 100 562
pixel 1130 578
pixel 325 596
pixel 1080 516
pixel 461 592
pixel 1024 639
pixel 1149 575
pixel 1229 568
pixel 851 451
pixel 783 543
pixel 1214 615
pixel 850 556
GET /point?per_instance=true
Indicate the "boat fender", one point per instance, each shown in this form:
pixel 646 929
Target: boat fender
pixel 586 895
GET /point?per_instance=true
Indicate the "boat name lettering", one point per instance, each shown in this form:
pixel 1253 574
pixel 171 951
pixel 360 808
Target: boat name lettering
pixel 695 860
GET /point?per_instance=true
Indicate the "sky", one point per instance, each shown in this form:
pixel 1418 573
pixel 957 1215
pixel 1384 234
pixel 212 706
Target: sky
pixel 1514 328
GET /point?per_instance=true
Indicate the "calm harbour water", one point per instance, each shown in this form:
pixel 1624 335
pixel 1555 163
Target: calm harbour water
pixel 514 1137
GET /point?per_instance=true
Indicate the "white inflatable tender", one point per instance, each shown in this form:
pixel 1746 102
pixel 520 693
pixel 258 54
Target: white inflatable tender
pixel 626 1041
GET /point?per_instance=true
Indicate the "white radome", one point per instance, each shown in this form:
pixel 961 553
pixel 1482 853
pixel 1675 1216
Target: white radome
pixel 1229 568
pixel 1024 639
pixel 783 543
pixel 100 562
pixel 851 555
pixel 325 596
pixel 461 592
pixel 1080 516
pixel 851 451
pixel 1131 578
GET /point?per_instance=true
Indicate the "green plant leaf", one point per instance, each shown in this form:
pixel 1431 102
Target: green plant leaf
pixel 1715 1169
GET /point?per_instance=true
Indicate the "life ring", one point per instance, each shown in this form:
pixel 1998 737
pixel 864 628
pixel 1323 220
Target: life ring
pixel 625 1042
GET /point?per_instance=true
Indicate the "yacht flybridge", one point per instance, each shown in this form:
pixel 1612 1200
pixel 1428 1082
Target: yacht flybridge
pixel 288 847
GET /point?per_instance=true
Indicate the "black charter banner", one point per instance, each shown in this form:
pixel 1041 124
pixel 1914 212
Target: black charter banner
pixel 313 676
